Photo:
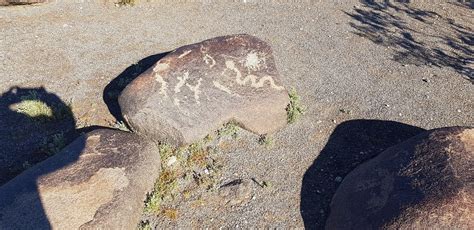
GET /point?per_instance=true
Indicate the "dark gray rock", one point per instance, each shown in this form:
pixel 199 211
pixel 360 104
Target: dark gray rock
pixel 99 181
pixel 424 182
pixel 197 88
pixel 19 2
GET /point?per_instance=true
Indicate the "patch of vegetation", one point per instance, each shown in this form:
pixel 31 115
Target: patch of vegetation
pixel 33 107
pixel 144 225
pixel 346 111
pixel 192 167
pixel 229 129
pixel 122 126
pixel 53 144
pixel 294 110
pixel 126 3
pixel 171 213
pixel 266 141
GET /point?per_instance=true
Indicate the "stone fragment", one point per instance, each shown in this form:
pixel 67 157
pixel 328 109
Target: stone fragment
pixel 97 182
pixel 236 192
pixel 424 182
pixel 197 88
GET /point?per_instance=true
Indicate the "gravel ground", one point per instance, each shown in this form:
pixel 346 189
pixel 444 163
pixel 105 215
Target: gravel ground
pixel 356 65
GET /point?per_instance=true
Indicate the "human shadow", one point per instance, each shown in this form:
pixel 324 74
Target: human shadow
pixel 117 85
pixel 34 125
pixel 417 36
pixel 351 143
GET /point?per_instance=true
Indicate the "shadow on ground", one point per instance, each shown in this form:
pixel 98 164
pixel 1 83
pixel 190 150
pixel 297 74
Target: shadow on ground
pixel 350 144
pixel 34 125
pixel 118 84
pixel 419 37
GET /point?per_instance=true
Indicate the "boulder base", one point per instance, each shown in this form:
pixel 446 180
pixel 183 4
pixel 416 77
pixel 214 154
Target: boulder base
pixel 424 182
pixel 197 88
pixel 99 182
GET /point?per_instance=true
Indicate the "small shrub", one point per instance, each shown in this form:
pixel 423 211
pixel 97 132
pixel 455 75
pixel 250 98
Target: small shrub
pixel 53 144
pixel 126 3
pixel 266 141
pixel 32 106
pixel 229 129
pixel 294 110
pixel 171 213
pixel 144 225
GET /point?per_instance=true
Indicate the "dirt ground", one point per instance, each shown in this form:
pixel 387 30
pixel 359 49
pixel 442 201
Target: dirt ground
pixel 370 75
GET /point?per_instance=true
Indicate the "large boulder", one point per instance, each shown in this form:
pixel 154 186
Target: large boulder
pixel 197 88
pixel 97 182
pixel 424 182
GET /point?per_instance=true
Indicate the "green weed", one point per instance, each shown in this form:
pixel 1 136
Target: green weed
pixel 294 110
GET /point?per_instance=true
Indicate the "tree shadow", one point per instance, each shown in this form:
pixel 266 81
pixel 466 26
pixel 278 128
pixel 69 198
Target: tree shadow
pixel 350 144
pixel 34 125
pixel 118 84
pixel 418 37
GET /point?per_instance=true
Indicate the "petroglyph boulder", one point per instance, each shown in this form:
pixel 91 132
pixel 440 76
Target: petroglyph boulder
pixel 424 182
pixel 197 88
pixel 97 182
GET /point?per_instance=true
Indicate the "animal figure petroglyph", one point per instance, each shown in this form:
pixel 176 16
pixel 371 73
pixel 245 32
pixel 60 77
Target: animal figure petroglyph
pixel 253 62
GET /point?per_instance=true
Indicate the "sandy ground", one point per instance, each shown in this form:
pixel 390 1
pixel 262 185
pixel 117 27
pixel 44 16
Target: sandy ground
pixel 348 60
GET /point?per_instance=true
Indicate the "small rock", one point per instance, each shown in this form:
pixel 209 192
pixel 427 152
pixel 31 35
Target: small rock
pixel 171 161
pixel 338 179
pixel 236 192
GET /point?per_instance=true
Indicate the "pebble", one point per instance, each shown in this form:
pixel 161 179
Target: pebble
pixel 171 161
pixel 338 179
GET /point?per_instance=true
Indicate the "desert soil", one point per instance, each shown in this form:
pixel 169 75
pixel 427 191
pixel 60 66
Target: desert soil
pixel 348 60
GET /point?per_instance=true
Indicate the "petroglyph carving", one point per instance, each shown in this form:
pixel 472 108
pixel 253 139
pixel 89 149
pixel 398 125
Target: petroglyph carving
pixel 221 87
pixel 181 82
pixel 184 53
pixel 164 84
pixel 195 90
pixel 254 61
pixel 209 60
pixel 251 78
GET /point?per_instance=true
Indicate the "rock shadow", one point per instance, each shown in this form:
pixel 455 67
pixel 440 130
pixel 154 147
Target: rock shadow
pixel 417 36
pixel 117 85
pixel 350 144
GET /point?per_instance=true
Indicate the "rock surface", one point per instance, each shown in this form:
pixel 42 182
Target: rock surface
pixel 236 192
pixel 197 88
pixel 99 181
pixel 424 181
